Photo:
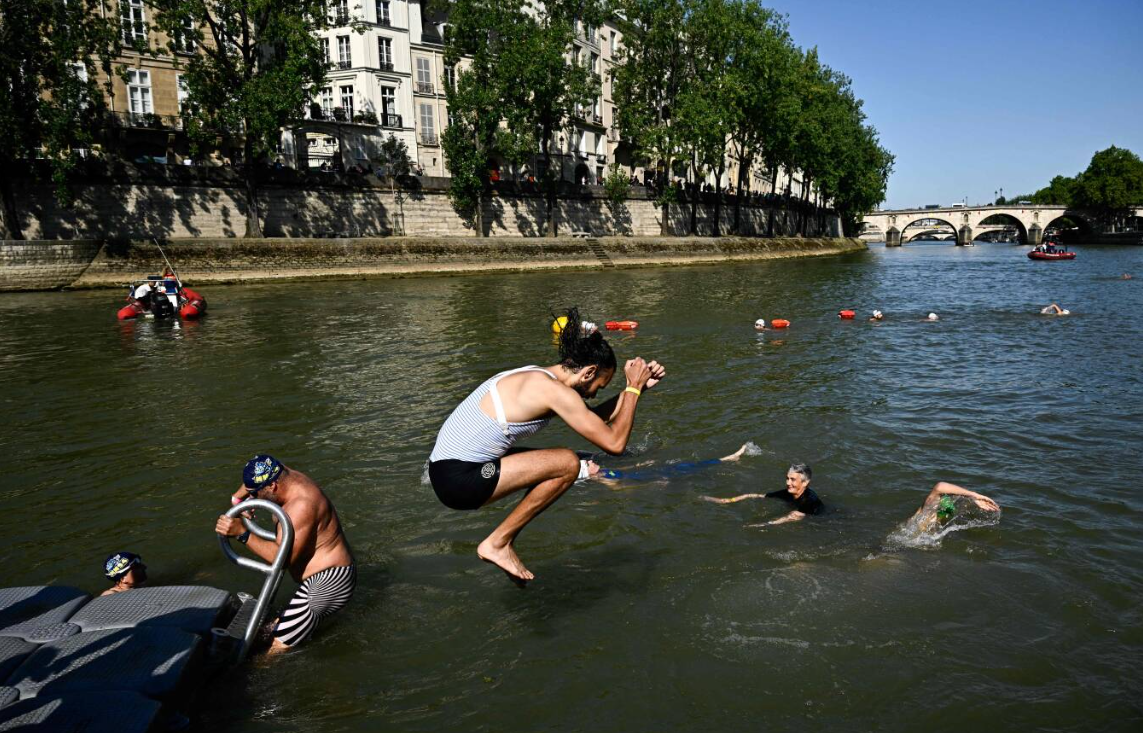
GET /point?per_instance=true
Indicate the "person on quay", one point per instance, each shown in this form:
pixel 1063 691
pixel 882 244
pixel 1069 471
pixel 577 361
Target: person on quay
pixel 940 506
pixel 474 462
pixel 126 571
pixel 797 494
pixel 320 560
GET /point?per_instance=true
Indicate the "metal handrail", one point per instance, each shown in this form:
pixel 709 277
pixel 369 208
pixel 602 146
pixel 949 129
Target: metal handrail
pixel 273 571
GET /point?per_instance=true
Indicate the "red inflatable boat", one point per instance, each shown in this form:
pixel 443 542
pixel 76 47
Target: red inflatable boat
pixel 156 301
pixel 1059 254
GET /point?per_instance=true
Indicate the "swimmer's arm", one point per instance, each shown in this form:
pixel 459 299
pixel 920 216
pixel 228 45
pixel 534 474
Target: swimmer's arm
pixel 731 500
pixel 944 487
pixel 794 516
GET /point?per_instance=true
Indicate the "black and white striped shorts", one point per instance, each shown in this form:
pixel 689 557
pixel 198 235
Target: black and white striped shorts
pixel 322 594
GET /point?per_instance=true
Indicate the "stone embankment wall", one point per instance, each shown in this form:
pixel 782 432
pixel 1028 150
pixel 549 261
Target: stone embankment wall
pixel 46 265
pixel 171 202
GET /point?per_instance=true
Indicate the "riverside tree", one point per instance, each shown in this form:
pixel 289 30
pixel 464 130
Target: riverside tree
pixel 650 75
pixel 487 35
pixel 256 67
pixel 552 89
pixel 49 90
pixel 1111 186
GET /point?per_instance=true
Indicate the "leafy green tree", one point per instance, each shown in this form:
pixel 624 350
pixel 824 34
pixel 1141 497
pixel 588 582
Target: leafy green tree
pixel 616 185
pixel 550 89
pixel 53 53
pixel 650 75
pixel 253 75
pixel 1061 191
pixel 1111 186
pixel 485 33
pixel 393 161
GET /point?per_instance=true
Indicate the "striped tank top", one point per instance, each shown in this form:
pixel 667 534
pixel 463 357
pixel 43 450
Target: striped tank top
pixel 470 435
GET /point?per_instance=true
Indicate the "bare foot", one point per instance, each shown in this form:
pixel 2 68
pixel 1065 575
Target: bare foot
pixel 506 559
pixel 736 454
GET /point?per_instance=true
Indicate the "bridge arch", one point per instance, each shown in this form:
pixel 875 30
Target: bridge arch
pixel 1005 219
pixel 1083 223
pixel 947 221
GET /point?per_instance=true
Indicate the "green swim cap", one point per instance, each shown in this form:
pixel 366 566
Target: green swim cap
pixel 946 507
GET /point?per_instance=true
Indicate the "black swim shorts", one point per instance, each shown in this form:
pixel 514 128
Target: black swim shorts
pixel 464 484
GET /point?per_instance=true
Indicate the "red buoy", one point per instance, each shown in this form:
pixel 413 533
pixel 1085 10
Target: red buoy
pixel 846 314
pixel 621 325
pixel 779 323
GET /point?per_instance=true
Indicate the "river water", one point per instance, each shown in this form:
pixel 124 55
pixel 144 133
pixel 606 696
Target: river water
pixel 652 609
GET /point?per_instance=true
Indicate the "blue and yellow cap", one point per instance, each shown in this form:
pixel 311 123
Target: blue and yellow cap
pixel 261 470
pixel 118 564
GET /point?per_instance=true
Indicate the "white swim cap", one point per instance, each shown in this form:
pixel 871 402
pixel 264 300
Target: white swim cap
pixel 933 317
pixel 876 314
pixel 760 323
pixel 588 327
pixel 1065 312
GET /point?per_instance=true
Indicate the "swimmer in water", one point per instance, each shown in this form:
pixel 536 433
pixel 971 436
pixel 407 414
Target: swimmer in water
pixel 760 325
pixel 931 317
pixel 474 463
pixel 1126 276
pixel 1054 310
pixel 126 571
pixel 877 316
pixel 674 469
pixel 797 493
pixel 940 506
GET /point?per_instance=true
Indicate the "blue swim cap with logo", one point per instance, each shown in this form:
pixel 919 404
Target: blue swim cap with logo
pixel 260 471
pixel 118 564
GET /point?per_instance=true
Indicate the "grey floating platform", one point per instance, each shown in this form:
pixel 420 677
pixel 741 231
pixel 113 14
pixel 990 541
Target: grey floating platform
pixel 188 607
pixel 89 712
pixel 117 663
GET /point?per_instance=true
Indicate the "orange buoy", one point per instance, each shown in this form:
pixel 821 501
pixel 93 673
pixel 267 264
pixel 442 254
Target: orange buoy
pixel 779 323
pixel 621 325
pixel 846 314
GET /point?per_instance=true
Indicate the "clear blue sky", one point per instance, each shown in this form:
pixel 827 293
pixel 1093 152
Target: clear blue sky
pixel 973 96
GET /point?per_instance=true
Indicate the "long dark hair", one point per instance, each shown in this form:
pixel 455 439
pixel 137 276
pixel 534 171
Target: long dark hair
pixel 578 351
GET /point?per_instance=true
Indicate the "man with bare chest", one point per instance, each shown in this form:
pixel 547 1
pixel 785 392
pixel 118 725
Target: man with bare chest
pixel 320 559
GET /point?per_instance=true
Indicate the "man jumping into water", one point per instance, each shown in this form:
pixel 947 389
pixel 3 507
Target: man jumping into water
pixel 320 559
pixel 474 462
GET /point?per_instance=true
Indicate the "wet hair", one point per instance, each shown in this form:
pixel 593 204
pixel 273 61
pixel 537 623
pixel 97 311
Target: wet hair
pixel 802 468
pixel 578 351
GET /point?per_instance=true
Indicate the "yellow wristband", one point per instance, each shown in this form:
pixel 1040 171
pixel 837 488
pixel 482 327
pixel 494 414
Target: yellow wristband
pixel 634 391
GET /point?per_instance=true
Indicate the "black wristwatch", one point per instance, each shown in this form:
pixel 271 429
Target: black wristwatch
pixel 244 537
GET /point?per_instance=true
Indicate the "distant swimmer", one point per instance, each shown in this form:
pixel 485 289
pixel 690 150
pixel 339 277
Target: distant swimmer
pixel 474 462
pixel 320 560
pixel 1125 276
pixel 931 317
pixel 669 471
pixel 940 506
pixel 877 316
pixel 1054 310
pixel 797 493
pixel 760 325
pixel 126 571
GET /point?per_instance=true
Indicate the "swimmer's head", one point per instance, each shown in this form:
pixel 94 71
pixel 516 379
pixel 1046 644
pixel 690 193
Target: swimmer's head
pixel 877 315
pixel 588 356
pixel 260 472
pixel 760 324
pixel 933 317
pixel 120 564
pixel 946 508
pixel 798 477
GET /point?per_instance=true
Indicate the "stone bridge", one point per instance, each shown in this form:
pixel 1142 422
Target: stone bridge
pixel 967 220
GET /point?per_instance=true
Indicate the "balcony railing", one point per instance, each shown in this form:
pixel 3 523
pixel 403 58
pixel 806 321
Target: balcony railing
pixel 147 121
pixel 386 65
pixel 344 64
pixel 391 121
pixel 424 87
pixel 341 18
pixel 428 138
pixel 386 21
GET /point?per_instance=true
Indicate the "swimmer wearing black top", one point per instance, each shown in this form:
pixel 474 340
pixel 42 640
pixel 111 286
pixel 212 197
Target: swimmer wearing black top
pixel 797 492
